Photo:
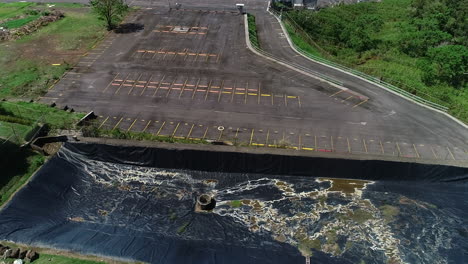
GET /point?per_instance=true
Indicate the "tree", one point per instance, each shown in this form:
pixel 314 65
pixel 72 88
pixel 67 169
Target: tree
pixel 447 64
pixel 109 10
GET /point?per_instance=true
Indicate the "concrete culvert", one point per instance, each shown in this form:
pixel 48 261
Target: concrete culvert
pixel 205 203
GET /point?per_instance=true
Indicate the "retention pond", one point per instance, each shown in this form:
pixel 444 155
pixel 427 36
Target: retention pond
pixel 185 206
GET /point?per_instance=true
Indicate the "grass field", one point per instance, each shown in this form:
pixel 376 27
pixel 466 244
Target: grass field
pixel 19 22
pixel 18 164
pixel 388 62
pixel 26 64
pixel 18 119
pixel 59 257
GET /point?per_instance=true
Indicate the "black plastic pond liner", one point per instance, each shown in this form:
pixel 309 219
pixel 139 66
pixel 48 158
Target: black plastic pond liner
pixel 75 203
pixel 236 162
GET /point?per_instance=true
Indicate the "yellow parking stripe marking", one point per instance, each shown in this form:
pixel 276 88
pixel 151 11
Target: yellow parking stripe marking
pixel 118 123
pixel 103 122
pixel 130 127
pixel 340 91
pixel 416 150
pixel 206 131
pixel 190 132
pixel 175 130
pixel 159 130
pixel 433 152
pixel 356 105
pixel 399 151
pixel 450 153
pixel 113 80
pixel 251 136
pixel 149 122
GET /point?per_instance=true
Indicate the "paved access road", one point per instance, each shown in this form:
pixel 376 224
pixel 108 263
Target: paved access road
pixel 187 73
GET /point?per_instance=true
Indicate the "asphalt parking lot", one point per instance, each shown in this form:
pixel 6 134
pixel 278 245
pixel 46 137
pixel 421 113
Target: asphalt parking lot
pixel 188 74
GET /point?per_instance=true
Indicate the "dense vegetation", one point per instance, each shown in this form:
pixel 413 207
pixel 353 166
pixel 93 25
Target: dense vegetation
pixel 252 30
pixel 419 45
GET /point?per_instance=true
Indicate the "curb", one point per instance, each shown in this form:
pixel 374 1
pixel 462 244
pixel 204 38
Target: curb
pixel 375 84
pixel 249 46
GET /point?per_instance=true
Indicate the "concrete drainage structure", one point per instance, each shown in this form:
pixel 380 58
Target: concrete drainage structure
pixel 205 203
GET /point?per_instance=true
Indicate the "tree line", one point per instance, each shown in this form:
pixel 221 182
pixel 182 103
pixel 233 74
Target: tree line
pixel 435 31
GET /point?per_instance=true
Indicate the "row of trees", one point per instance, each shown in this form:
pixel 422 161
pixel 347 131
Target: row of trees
pixel 438 32
pixel 352 27
pixel 434 31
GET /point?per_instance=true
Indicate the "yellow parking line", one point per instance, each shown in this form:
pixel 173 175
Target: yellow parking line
pixel 415 150
pixel 190 132
pixel 133 86
pixel 267 137
pixel 251 136
pixel 381 146
pixel 118 123
pixel 103 122
pixel 308 148
pixel 399 151
pixel 206 131
pixel 120 86
pixel 299 146
pixel 159 130
pixel 365 145
pixel 146 126
pixel 356 105
pixel 146 85
pixel 175 130
pixel 183 88
pixel 349 97
pixel 159 85
pixel 433 152
pixel 349 146
pixel 340 91
pixel 208 90
pixel 221 88
pixel 115 77
pixel 450 153
pixel 130 127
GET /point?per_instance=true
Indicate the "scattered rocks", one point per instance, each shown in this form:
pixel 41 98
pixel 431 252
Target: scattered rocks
pixel 15 253
pixel 16 33
pixel 32 255
pixel 18 254
pixel 3 249
pixel 7 253
pixel 22 254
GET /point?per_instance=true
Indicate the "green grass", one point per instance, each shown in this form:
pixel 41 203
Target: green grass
pixel 19 119
pixel 252 30
pixel 93 131
pixel 27 75
pixel 387 62
pixel 236 203
pixel 8 10
pixel 56 118
pixel 301 43
pixel 44 259
pixel 76 30
pixel 57 259
pixel 19 22
pixel 18 164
